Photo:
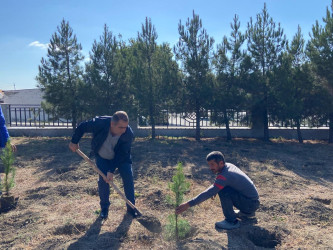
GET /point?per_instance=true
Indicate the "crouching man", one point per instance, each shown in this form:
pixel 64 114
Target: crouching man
pixel 235 189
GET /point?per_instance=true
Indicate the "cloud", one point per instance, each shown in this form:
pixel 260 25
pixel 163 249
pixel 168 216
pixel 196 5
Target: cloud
pixel 39 45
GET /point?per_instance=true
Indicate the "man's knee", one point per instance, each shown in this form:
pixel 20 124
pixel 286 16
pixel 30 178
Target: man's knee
pixel 126 170
pixel 227 192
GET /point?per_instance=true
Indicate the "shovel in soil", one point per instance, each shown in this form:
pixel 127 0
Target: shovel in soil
pixel 149 222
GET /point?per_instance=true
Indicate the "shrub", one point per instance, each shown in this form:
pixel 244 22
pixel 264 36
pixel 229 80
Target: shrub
pixel 7 158
pixel 177 228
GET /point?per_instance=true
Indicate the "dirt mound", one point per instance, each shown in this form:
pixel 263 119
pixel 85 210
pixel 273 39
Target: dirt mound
pixel 156 200
pixel 70 228
pixel 315 211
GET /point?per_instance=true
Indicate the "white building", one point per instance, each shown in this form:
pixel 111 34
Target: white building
pixel 22 97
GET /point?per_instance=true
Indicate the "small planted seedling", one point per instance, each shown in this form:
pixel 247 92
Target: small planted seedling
pixel 7 202
pixel 7 158
pixel 177 228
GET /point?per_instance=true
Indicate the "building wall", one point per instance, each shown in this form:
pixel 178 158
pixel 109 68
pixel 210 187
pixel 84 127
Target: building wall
pixel 31 97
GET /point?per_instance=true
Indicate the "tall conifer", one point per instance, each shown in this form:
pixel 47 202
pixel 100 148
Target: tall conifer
pixel 60 74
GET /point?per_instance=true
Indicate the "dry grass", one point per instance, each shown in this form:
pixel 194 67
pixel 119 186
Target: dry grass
pixel 58 200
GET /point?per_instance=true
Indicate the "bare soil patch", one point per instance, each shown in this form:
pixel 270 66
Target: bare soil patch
pixel 58 203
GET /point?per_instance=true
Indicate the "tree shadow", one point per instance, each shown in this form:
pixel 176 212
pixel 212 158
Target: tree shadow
pixel 110 240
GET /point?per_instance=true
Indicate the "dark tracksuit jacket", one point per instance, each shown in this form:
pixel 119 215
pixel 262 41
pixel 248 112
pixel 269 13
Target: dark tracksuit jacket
pixel 100 127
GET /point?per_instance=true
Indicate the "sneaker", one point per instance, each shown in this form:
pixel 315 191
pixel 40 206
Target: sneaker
pixel 227 225
pixel 240 214
pixel 104 215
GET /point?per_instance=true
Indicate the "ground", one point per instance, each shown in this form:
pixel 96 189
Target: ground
pixel 58 202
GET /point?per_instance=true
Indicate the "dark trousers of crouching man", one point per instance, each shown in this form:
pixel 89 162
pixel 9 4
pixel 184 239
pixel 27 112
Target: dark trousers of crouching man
pixel 230 198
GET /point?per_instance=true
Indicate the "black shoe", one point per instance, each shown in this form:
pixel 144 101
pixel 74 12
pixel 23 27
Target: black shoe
pixel 104 215
pixel 132 213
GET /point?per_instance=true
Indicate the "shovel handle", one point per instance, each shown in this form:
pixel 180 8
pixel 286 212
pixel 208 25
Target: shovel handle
pixel 93 165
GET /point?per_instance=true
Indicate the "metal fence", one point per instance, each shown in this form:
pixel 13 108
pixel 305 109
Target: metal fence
pixel 35 116
pixel 167 119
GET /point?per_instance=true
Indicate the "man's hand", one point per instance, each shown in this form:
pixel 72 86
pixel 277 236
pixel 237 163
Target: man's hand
pixel 73 147
pixel 181 208
pixel 109 177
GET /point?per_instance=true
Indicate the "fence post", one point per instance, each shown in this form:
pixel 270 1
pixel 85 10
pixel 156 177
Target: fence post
pixel 5 110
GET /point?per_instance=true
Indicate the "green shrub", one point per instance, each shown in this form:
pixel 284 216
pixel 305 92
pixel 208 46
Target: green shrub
pixel 7 158
pixel 177 228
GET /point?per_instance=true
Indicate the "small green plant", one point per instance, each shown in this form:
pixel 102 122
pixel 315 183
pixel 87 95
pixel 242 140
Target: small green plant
pixel 177 228
pixel 97 212
pixel 7 158
pixel 136 194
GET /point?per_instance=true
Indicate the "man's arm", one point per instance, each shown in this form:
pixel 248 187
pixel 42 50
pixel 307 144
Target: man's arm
pixel 4 136
pixel 208 193
pixel 84 127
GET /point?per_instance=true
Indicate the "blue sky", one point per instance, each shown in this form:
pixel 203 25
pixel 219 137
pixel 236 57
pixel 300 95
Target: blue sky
pixel 26 26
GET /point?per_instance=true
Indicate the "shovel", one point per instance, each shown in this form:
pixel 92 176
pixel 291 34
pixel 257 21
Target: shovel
pixel 149 222
pixel 136 211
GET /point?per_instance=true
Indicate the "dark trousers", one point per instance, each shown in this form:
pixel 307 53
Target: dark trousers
pixel 125 171
pixel 230 198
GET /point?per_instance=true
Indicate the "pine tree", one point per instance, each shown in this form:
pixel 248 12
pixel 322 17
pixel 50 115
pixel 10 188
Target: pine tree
pixel 228 94
pixel 156 78
pixel 60 74
pixel 177 227
pixel 266 43
pixel 194 51
pixel 320 52
pixel 106 76
pixel 293 85
pixel 7 158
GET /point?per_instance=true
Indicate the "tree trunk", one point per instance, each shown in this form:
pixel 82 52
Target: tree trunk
pixel 152 122
pixel 153 130
pixel 197 123
pixel 151 101
pixel 226 120
pixel 177 236
pixel 299 133
pixel 330 132
pixel 74 121
pixel 257 115
pixel 266 130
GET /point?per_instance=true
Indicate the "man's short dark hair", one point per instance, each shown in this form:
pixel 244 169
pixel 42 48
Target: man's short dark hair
pixel 120 115
pixel 217 156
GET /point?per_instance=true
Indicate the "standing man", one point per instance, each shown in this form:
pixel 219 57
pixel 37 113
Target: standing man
pixel 4 137
pixel 111 144
pixel 234 188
